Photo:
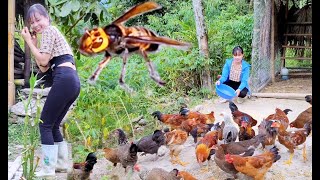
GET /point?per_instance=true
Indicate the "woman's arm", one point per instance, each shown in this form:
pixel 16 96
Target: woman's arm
pixel 245 77
pixel 42 59
pixel 225 72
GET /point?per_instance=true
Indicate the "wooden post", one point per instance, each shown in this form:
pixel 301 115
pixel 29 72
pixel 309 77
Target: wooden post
pixel 272 43
pixel 11 20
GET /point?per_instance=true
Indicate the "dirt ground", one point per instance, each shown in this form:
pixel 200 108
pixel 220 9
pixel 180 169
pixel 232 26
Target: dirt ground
pixel 258 108
pixel 292 85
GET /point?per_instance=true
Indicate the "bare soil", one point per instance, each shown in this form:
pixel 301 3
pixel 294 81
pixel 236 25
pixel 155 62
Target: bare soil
pixel 292 85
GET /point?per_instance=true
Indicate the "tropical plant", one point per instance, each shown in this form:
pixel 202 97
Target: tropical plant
pixel 30 132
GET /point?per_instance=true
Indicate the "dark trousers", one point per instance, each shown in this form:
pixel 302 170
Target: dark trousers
pixel 235 85
pixel 64 91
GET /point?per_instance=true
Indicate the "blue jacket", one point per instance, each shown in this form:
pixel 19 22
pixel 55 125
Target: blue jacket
pixel 244 77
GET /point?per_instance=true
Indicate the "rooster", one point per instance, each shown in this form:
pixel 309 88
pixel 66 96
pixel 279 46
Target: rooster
pixel 280 115
pixel 244 121
pixel 254 166
pixel 291 139
pixel 81 171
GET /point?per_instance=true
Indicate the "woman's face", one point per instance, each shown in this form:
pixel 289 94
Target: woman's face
pixel 38 22
pixel 237 57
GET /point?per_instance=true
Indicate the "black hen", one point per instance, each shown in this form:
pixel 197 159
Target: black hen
pixel 127 155
pixel 151 143
pixel 122 137
pixel 81 171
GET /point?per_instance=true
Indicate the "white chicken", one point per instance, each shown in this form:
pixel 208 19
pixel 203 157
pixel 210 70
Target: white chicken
pixel 230 130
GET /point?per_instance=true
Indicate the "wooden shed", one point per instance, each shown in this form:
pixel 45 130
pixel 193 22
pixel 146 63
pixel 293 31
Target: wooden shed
pixel 282 33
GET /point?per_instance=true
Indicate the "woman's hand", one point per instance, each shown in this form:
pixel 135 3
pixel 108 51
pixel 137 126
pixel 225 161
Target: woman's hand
pixel 238 92
pixel 218 83
pixel 27 36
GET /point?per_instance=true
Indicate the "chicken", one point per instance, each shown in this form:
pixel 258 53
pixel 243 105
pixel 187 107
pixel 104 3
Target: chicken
pixel 159 174
pixel 127 155
pixel 291 139
pixel 203 149
pixel 269 128
pixel 122 137
pixel 219 159
pixel 238 116
pixel 111 154
pixel 81 171
pixel 245 130
pixel 186 175
pixel 188 125
pixel 244 148
pixel 172 120
pixel 200 130
pixel 308 98
pixel 199 117
pixel 254 166
pixel 280 116
pixel 230 131
pixel 218 128
pixel 174 141
pixel 203 153
pixel 244 121
pixel 210 138
pixel 304 117
pixel 151 143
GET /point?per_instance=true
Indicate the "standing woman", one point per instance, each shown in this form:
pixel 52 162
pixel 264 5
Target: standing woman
pixel 54 52
pixel 236 73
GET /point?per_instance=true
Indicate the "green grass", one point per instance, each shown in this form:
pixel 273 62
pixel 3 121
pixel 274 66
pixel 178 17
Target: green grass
pixel 15 133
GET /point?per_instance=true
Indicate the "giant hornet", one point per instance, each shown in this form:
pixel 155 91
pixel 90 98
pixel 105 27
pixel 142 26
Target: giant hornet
pixel 116 39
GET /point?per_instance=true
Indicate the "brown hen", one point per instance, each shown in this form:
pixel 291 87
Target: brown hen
pixel 174 141
pixel 254 166
pixel 172 120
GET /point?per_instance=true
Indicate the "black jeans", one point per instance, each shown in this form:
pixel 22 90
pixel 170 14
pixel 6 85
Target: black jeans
pixel 235 85
pixel 64 91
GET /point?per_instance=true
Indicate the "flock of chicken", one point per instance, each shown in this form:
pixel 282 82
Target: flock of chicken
pixel 212 140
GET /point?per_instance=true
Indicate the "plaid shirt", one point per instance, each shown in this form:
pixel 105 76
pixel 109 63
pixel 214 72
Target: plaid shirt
pixel 54 43
pixel 235 72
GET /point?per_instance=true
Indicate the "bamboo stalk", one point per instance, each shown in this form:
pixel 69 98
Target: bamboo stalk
pixel 11 20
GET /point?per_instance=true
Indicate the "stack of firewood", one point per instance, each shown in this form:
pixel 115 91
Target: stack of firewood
pixel 18 61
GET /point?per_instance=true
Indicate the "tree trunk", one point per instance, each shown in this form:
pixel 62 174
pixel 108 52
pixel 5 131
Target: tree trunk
pixel 27 51
pixel 202 37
